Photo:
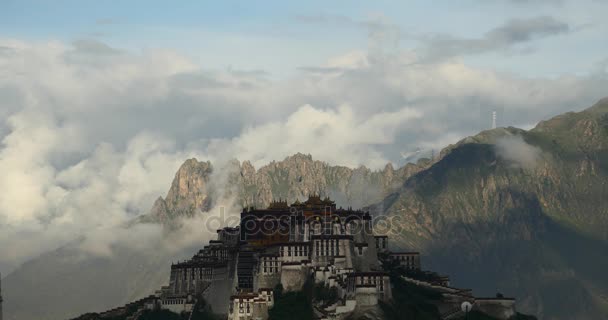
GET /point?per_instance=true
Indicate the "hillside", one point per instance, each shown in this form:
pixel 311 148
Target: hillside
pixel 526 210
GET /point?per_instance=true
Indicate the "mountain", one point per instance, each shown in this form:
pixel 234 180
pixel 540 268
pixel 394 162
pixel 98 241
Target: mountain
pixel 65 283
pixel 522 211
pixel 198 186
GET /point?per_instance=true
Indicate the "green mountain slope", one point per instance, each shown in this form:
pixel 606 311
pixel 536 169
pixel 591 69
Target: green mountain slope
pixel 522 211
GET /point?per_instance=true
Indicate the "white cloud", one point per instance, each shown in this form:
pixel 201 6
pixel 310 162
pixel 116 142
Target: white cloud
pixel 93 134
pixel 45 207
pixel 338 136
pixel 518 152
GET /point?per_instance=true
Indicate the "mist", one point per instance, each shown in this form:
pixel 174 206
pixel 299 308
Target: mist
pixel 518 152
pixel 93 134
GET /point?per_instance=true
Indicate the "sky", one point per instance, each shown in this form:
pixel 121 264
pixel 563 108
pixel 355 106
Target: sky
pixel 101 101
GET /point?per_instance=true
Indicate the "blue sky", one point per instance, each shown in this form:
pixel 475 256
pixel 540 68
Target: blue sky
pixel 271 35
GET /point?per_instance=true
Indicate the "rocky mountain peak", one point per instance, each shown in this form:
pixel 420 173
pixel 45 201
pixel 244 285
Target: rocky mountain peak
pixel 299 157
pixel 388 167
pixel 189 191
pixel 198 183
pixel 247 169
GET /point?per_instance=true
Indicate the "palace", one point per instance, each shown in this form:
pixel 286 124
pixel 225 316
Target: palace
pixel 286 246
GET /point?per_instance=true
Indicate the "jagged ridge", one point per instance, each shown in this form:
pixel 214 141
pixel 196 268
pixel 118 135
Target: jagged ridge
pixel 197 184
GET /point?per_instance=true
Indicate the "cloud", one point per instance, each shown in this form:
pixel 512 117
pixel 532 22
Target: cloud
pixel 384 36
pixel 511 33
pixel 92 135
pixel 186 232
pixel 522 30
pixel 518 152
pixel 338 136
pixel 45 207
